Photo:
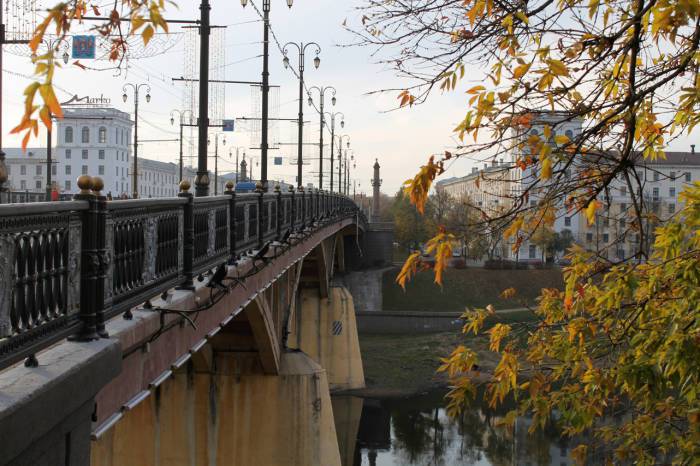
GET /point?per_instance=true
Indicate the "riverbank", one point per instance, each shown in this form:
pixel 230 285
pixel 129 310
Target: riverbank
pixel 401 365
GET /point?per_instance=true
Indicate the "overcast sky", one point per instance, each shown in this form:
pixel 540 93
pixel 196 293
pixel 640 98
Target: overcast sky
pixel 401 140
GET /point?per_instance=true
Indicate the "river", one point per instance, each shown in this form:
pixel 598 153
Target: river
pixel 417 431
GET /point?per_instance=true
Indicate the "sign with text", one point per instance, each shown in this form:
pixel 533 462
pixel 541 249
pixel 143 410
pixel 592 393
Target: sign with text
pixel 83 47
pixel 278 160
pixel 228 125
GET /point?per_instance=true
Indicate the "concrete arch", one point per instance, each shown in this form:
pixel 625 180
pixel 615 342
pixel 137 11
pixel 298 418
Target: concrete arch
pixel 262 326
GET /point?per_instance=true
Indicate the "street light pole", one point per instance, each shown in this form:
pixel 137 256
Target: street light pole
pixel 317 61
pixel 340 160
pixel 135 88
pixel 181 116
pixel 342 125
pixel 322 94
pixel 265 87
pixel 216 162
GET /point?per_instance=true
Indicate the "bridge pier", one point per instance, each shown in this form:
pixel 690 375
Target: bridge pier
pixel 232 415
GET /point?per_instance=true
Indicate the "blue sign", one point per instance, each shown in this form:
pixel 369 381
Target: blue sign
pixel 228 125
pixel 278 160
pixel 83 47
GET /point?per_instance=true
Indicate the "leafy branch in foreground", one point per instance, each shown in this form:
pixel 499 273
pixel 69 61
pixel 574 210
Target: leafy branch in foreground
pixel 145 17
pixel 622 340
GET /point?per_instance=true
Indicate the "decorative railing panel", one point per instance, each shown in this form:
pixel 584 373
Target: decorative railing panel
pixel 40 263
pixel 145 238
pixel 67 267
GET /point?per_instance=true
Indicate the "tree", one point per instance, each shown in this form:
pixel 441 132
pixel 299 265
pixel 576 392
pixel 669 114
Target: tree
pixel 544 238
pixel 563 241
pixel 623 338
pixel 410 228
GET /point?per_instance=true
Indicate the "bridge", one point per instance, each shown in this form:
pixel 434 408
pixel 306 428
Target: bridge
pixel 179 331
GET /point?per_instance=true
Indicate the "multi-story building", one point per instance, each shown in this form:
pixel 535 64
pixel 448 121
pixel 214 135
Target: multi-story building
pixel 495 187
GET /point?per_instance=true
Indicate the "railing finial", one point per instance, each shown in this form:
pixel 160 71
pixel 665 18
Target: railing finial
pixel 85 184
pixel 185 186
pixel 97 185
pixel 229 186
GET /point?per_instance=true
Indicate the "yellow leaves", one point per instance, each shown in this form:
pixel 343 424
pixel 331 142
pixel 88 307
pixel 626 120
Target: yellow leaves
pixel 147 34
pixel 590 211
pixel 508 293
pixel 497 333
pixel 409 269
pixel 561 139
pixel 461 360
pixel 441 247
pixel 593 8
pixel 546 172
pixel 579 454
pixel 418 187
pixel 476 11
pixel 521 70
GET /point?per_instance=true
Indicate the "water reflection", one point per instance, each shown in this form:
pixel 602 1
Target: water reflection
pixel 417 431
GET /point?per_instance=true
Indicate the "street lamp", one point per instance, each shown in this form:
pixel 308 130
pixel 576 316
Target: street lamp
pixel 322 94
pixel 52 44
pixel 340 155
pixel 265 86
pixel 332 116
pixel 135 88
pixel 216 161
pixel 181 116
pixel 301 47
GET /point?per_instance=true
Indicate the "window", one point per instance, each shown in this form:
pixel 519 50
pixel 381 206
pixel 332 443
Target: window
pixel 101 154
pixel 85 134
pixel 567 221
pixel 655 194
pixel 69 134
pixel 117 170
pixel 569 134
pixel 38 169
pixel 38 184
pixel 606 222
pixel 53 169
pixel 673 176
pixel 589 237
pixel 22 169
pixel 672 192
pixel 623 207
pixel 606 237
pixel 67 169
pixel 532 253
pixel 23 184
pixel 620 253
pixel 101 170
pixel 656 176
pixel 623 190
pixel 623 223
pixel 67 185
pixel 687 177
pixel 68 153
pixel 85 170
pixel 85 154
pixel 672 208
pixel 102 135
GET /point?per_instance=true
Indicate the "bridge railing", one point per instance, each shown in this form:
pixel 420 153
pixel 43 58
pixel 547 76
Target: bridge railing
pixel 67 267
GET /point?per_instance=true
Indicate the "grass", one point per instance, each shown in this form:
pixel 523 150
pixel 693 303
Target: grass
pixel 407 364
pixel 469 287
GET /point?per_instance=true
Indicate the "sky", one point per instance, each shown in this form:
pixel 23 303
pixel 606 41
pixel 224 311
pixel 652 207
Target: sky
pixel 401 140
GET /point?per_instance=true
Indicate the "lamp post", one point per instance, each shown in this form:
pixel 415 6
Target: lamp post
pixel 216 161
pixel 230 155
pixel 265 86
pixel 347 172
pixel 52 44
pixel 181 116
pixel 317 62
pixel 136 88
pixel 340 159
pixel 332 116
pixel 322 95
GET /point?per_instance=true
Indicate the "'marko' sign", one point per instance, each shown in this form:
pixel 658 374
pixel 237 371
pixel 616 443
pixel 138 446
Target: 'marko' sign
pixel 97 101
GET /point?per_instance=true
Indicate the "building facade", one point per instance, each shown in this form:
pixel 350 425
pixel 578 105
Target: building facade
pixel 496 186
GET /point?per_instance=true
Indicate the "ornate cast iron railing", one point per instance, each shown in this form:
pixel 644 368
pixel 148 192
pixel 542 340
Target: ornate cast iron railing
pixel 66 267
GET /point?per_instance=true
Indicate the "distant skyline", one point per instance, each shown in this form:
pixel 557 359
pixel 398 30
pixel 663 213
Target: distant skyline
pixel 402 140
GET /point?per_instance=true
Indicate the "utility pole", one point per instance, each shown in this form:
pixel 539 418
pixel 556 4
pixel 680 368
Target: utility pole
pixel 322 94
pixel 340 160
pixel 181 116
pixel 201 181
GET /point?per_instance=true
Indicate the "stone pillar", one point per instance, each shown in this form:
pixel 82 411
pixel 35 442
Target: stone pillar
pixel 376 183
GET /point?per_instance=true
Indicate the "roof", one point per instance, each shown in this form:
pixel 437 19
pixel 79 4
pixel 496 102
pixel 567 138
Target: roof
pixel 678 158
pixel 18 153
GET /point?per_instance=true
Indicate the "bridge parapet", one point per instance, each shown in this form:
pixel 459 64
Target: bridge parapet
pixel 67 267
